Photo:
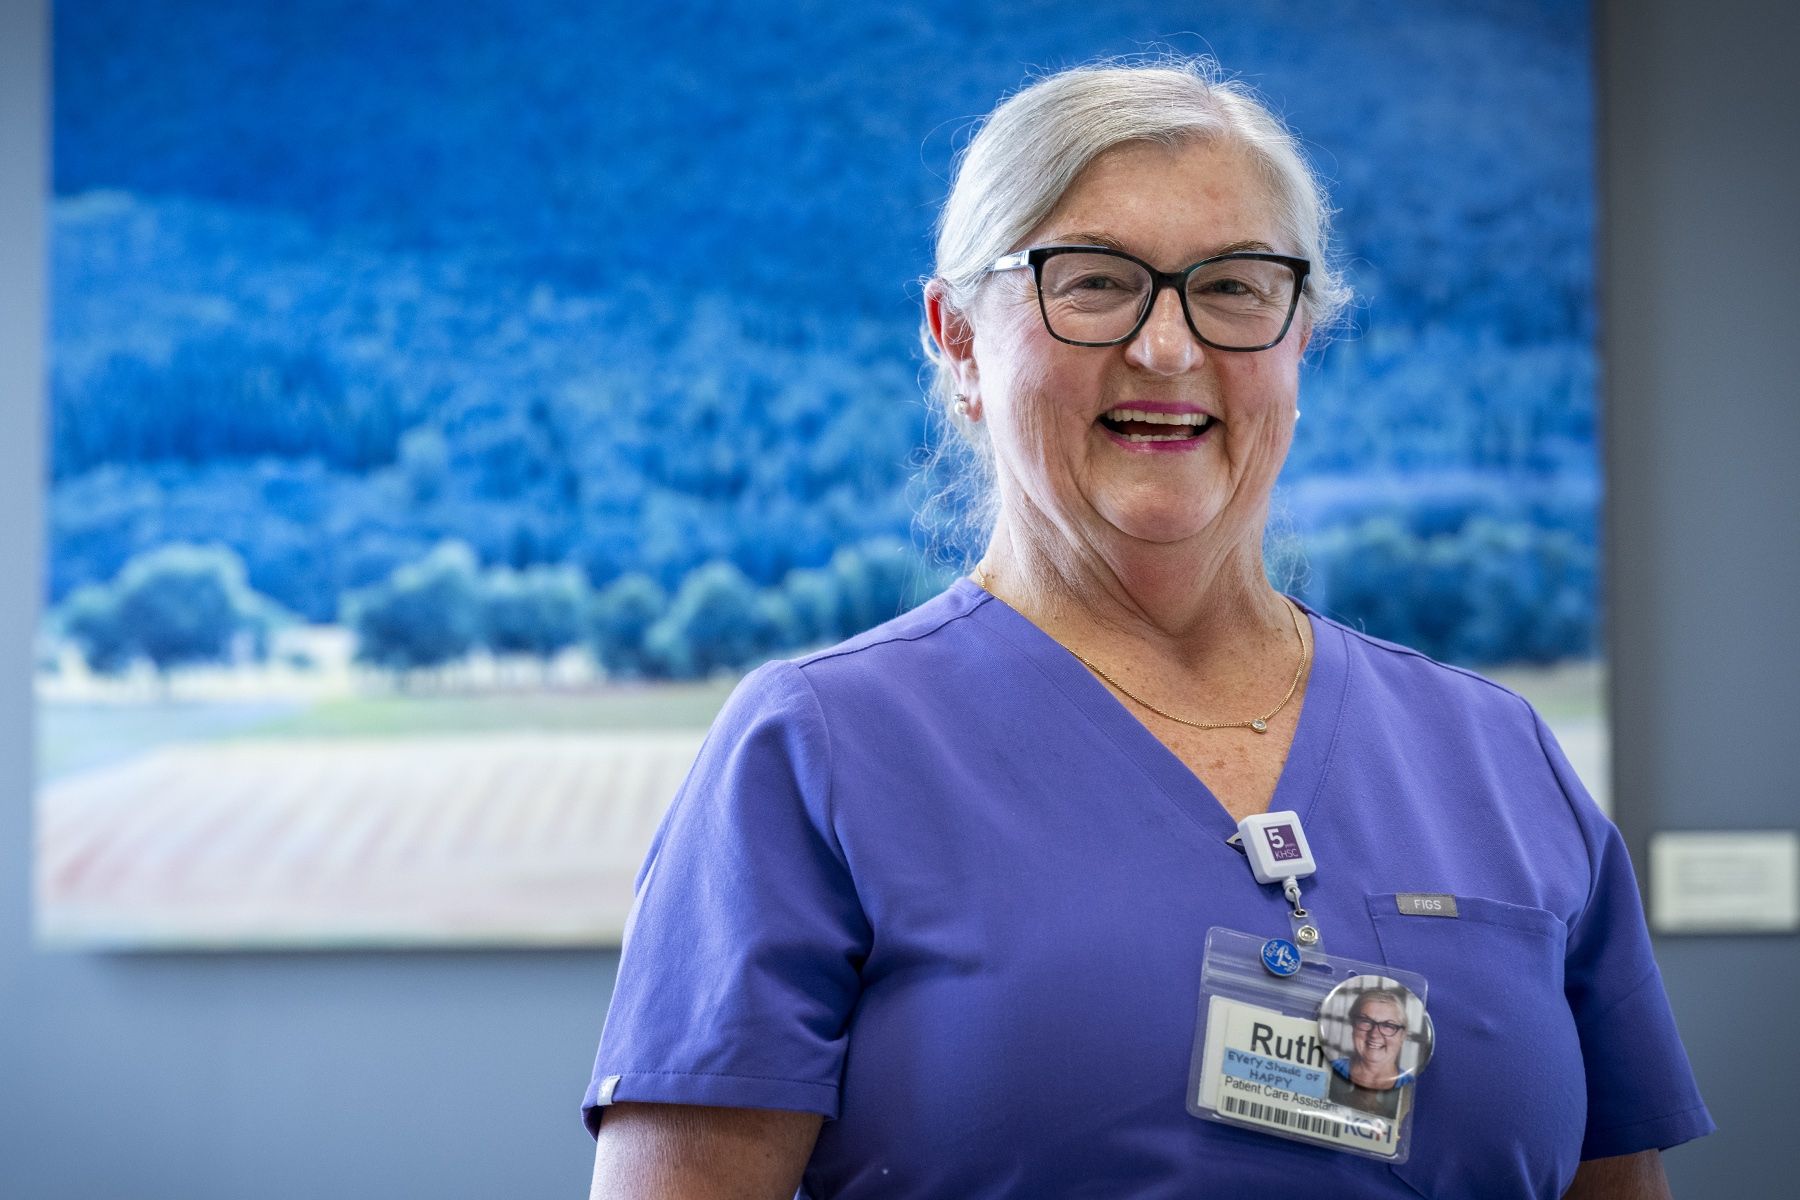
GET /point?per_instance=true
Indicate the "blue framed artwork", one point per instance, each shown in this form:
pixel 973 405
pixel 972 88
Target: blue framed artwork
pixel 449 403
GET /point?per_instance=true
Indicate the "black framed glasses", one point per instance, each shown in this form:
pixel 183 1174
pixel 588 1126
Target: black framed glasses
pixel 1098 296
pixel 1388 1028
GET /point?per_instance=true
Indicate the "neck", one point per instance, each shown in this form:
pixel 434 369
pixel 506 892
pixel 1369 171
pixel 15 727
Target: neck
pixel 1194 602
pixel 1364 1075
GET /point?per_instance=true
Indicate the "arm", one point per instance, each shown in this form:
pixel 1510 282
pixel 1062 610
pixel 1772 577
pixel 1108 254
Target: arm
pixel 686 1152
pixel 1627 1177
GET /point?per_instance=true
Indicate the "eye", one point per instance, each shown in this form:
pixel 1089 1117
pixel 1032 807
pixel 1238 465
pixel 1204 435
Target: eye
pixel 1098 281
pixel 1224 286
pixel 1092 279
pixel 1241 285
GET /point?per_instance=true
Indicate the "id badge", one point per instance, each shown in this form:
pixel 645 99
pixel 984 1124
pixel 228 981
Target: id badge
pixel 1324 1050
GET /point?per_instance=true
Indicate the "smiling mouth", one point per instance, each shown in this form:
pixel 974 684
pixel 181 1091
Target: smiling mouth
pixel 1140 425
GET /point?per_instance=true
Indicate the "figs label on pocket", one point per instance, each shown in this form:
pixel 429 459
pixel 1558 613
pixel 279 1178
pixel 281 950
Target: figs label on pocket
pixel 1425 904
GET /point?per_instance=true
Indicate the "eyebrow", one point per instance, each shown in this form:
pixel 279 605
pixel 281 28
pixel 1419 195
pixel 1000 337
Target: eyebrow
pixel 1087 238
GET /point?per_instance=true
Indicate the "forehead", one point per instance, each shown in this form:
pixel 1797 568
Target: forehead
pixel 1379 1008
pixel 1167 203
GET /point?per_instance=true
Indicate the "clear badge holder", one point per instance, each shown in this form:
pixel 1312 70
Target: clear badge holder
pixel 1319 1049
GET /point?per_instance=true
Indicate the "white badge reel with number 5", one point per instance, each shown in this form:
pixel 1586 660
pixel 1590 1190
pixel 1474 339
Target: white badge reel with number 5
pixel 1298 1043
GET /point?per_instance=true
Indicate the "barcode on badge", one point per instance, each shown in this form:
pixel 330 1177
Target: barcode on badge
pixel 1304 1122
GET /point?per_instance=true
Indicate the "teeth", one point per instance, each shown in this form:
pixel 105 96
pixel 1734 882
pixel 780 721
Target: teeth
pixel 1158 418
pixel 1158 437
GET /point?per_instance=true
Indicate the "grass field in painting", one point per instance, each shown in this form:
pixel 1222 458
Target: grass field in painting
pixel 76 736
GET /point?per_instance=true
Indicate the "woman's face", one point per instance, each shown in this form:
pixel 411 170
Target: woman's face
pixel 1377 1045
pixel 1063 463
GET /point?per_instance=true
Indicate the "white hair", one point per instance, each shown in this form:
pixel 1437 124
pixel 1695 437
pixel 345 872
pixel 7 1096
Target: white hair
pixel 1028 153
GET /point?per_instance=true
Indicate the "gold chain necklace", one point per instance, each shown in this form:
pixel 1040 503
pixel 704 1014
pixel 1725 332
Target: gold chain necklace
pixel 1259 724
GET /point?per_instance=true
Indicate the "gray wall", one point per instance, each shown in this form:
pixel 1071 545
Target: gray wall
pixel 457 1075
pixel 1700 124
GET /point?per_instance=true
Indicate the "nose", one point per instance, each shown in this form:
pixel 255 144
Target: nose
pixel 1165 345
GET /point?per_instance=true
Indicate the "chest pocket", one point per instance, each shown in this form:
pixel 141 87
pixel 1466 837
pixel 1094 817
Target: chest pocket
pixel 1502 1106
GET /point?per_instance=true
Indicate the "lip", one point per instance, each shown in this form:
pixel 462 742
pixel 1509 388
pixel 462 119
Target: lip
pixel 1186 445
pixel 1181 447
pixel 1156 406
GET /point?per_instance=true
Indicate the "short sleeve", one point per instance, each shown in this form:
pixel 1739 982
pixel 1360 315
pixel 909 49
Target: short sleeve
pixel 741 956
pixel 1641 1093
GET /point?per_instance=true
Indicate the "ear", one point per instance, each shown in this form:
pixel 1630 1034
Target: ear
pixel 955 338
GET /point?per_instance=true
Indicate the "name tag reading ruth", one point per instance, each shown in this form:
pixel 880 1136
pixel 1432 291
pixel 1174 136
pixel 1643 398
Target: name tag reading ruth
pixel 1263 1068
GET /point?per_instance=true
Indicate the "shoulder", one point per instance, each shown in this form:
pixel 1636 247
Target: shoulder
pixel 1460 726
pixel 911 652
pixel 903 662
pixel 1400 696
pixel 1421 685
pixel 937 617
pixel 821 725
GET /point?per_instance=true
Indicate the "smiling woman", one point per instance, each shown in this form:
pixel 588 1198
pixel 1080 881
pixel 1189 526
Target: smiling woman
pixel 929 916
pixel 1075 474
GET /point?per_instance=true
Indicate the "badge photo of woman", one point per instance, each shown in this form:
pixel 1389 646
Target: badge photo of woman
pixel 1370 1077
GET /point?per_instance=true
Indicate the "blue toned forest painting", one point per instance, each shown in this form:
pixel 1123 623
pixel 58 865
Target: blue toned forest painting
pixel 449 402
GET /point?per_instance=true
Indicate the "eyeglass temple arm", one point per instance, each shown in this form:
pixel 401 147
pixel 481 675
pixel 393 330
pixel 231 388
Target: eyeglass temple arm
pixel 1009 262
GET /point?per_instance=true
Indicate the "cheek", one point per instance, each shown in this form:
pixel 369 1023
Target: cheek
pixel 1260 402
pixel 1033 392
pixel 1270 381
pixel 1034 428
pixel 1005 328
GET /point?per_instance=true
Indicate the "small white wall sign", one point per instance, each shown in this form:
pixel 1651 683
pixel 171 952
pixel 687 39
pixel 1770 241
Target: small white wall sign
pixel 1738 882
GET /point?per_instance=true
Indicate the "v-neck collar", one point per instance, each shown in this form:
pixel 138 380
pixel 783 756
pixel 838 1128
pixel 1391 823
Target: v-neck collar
pixel 1309 756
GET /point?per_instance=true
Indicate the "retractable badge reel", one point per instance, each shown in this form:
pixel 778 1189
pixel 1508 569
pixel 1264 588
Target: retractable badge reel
pixel 1297 1043
pixel 1275 843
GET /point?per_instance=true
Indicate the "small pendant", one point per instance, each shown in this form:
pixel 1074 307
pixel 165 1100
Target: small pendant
pixel 1260 725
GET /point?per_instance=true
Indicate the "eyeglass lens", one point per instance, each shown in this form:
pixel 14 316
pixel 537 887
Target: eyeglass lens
pixel 1236 304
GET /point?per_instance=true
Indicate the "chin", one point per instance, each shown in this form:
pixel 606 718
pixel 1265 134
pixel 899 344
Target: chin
pixel 1158 518
pixel 1161 528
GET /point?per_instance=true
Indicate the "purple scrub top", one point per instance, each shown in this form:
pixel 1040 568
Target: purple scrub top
pixel 938 885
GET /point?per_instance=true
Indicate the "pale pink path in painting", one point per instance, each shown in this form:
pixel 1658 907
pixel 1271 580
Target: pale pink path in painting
pixel 484 839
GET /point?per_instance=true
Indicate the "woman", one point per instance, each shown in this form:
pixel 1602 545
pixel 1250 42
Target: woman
pixel 1368 1078
pixel 927 918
